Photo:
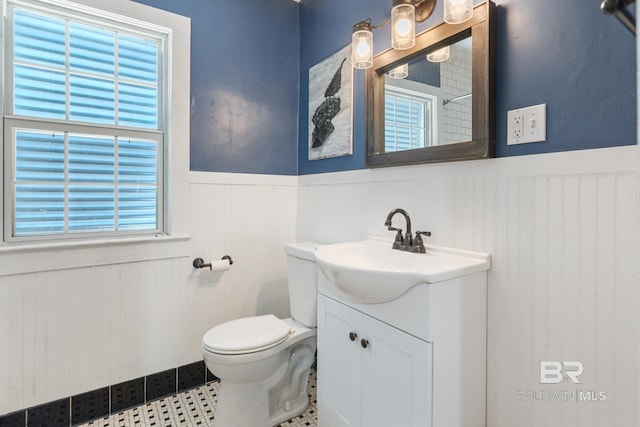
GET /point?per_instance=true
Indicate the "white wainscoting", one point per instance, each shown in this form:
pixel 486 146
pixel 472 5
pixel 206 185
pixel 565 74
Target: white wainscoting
pixel 68 331
pixel 562 230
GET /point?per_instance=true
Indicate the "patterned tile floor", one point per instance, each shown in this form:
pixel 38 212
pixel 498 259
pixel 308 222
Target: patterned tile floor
pixel 194 407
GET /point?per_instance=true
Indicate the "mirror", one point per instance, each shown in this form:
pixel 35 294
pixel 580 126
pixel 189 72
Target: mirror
pixel 435 101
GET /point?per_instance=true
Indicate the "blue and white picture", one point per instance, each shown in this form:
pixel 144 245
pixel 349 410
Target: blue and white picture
pixel 330 112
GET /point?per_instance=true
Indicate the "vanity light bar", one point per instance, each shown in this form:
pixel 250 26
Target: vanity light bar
pixel 404 15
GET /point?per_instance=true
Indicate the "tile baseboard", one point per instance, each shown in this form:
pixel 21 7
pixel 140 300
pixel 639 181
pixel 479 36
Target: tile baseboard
pixel 105 401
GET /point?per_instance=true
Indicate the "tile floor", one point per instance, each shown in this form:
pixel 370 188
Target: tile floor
pixel 194 407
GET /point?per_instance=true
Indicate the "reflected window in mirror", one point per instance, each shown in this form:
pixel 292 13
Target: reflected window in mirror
pixel 410 119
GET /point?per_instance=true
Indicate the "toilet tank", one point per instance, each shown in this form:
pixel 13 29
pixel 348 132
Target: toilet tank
pixel 302 279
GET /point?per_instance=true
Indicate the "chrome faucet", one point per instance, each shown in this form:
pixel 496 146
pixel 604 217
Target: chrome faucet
pixel 406 242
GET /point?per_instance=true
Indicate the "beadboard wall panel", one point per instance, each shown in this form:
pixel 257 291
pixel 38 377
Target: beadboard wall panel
pixel 69 331
pixel 250 219
pixel 562 230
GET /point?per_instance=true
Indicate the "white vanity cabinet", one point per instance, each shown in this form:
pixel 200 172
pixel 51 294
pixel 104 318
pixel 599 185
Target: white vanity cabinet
pixel 379 376
pixel 424 364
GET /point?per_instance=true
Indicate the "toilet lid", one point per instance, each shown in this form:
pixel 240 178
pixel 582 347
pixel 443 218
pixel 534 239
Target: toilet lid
pixel 246 335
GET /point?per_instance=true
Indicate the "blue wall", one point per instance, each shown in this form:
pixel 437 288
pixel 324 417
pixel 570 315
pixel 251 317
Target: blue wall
pixel 244 84
pixel 567 54
pixel 251 60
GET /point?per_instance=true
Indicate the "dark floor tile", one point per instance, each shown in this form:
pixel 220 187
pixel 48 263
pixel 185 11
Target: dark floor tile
pixel 90 405
pixel 126 395
pixel 161 384
pixel 15 419
pixel 191 375
pixel 50 414
pixel 211 376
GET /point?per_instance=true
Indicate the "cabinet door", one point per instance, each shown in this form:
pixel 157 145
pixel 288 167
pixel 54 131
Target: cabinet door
pixel 396 378
pixel 339 365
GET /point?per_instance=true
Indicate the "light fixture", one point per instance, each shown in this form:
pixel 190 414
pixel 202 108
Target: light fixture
pixel 439 55
pixel 457 11
pixel 404 15
pixel 403 24
pixel 362 45
pixel 400 72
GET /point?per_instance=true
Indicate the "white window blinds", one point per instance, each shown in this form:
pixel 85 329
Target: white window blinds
pixel 409 120
pixel 70 71
pixel 85 126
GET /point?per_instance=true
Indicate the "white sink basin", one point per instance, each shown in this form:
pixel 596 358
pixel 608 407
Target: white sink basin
pixel 371 272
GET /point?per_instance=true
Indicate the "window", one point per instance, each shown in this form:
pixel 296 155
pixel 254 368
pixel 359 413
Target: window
pixel 84 127
pixel 410 120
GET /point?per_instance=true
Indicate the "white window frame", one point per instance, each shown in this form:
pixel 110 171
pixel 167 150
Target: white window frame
pixel 12 122
pixel 121 247
pixel 430 115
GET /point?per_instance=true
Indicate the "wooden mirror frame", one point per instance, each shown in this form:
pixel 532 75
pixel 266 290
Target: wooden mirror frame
pixel 481 27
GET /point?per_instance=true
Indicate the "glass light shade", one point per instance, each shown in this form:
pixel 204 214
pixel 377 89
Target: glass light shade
pixel 403 26
pixel 362 48
pixel 400 72
pixel 439 55
pixel 457 11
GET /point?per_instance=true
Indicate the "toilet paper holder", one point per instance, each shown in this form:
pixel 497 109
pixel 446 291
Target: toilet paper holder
pixel 199 262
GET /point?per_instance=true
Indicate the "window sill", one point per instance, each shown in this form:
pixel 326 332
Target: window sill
pixel 32 258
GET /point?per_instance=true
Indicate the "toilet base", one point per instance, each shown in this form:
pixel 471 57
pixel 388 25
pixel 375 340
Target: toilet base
pixel 271 401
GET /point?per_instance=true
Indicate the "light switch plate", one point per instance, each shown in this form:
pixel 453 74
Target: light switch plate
pixel 526 125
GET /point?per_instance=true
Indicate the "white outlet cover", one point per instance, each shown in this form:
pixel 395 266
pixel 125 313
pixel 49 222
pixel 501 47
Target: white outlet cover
pixel 526 125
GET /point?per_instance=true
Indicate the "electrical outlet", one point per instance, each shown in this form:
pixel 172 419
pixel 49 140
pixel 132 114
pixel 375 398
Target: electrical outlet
pixel 527 125
pixel 517 125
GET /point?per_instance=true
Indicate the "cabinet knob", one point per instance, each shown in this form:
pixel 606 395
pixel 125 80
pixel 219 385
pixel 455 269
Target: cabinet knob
pixel 364 343
pixel 353 336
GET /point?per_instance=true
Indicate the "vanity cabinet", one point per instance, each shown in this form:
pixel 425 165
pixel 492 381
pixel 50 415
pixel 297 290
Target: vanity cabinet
pixel 423 362
pixel 376 375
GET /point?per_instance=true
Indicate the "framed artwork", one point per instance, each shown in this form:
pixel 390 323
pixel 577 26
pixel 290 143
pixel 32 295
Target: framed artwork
pixel 330 101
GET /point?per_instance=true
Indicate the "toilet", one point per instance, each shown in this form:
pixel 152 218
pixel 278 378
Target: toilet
pixel 263 362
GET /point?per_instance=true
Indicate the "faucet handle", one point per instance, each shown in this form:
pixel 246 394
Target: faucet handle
pixel 418 245
pixel 399 240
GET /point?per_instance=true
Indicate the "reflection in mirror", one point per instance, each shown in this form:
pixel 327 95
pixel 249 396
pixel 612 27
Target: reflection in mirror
pixel 428 99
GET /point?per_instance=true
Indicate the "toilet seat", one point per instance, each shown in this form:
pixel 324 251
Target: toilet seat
pixel 246 335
